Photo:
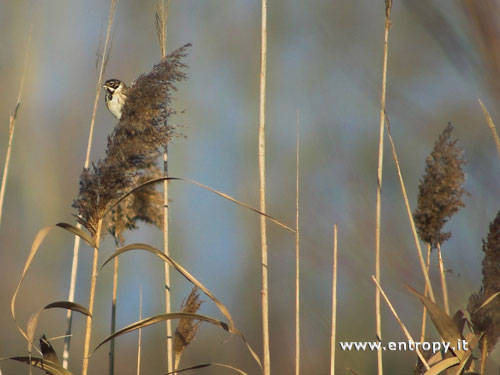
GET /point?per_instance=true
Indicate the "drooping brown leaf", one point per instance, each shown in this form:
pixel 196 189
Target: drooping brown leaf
pixel 444 324
pixel 49 367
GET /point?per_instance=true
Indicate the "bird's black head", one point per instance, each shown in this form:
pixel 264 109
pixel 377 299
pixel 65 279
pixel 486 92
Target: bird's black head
pixel 112 84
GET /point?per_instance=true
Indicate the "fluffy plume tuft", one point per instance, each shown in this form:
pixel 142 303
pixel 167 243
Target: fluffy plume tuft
pixel 133 148
pixel 487 319
pixel 441 189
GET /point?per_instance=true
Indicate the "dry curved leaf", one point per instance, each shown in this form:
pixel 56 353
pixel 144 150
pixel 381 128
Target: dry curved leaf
pixel 488 300
pixel 39 238
pixel 203 365
pixel 220 194
pixel 442 365
pixel 444 324
pixel 69 306
pixel 49 367
pixel 142 246
pixel 168 316
pixel 190 278
pixel 78 232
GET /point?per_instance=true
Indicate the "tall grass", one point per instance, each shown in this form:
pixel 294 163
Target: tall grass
pixel 76 245
pixel 262 190
pixel 119 190
pixel 333 336
pixel 12 122
pixel 161 29
pixel 297 254
pixel 93 280
pixel 378 318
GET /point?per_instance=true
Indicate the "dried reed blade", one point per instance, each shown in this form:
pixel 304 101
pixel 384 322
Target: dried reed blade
pixel 426 293
pixel 442 276
pixel 76 245
pixel 139 338
pixel 410 216
pixel 161 18
pixel 388 8
pixel 262 191
pixel 93 279
pixel 401 324
pixel 297 255
pixel 12 122
pixel 203 365
pixel 334 303
pixel 219 193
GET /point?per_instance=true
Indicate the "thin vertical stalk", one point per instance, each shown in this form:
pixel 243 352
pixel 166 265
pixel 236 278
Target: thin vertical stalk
pixel 139 339
pixel 410 215
pixel 113 314
pixel 12 122
pixel 401 324
pixel 162 18
pixel 442 275
pixel 388 6
pixel 426 292
pixel 168 306
pixel 93 280
pixel 484 354
pixel 262 191
pixel 297 257
pixel 76 245
pixel 334 303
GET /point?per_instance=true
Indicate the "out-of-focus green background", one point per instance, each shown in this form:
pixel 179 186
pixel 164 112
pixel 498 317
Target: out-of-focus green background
pixel 325 62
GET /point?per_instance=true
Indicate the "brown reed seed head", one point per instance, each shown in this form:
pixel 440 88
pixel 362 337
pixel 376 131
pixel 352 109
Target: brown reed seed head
pixel 144 204
pixel 186 329
pixel 134 146
pixel 440 191
pixel 487 319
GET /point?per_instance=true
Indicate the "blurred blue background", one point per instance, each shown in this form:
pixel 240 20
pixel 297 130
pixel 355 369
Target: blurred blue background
pixel 324 63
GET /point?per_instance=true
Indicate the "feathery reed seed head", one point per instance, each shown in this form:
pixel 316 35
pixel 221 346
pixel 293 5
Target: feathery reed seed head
pixel 186 329
pixel 133 149
pixel 440 189
pixel 487 319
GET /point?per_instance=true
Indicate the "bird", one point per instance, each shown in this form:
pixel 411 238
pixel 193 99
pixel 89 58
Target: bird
pixel 116 95
pixel 147 100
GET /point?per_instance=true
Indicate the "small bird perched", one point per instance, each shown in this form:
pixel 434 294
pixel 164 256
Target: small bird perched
pixel 147 100
pixel 116 94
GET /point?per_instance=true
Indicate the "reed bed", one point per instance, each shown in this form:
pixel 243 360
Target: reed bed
pixel 130 185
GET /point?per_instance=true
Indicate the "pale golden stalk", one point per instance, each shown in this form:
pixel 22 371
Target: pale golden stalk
pixel 162 11
pixel 401 324
pixel 139 339
pixel 334 303
pixel 93 280
pixel 12 123
pixel 388 6
pixel 113 316
pixel 297 258
pixel 442 275
pixel 426 292
pixel 484 354
pixel 410 217
pixel 76 245
pixel 262 191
